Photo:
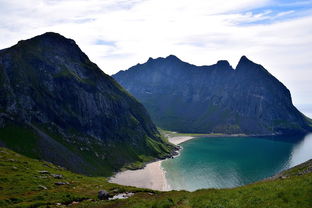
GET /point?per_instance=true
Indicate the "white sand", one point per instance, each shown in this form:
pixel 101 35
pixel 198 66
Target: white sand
pixel 152 176
pixel 179 139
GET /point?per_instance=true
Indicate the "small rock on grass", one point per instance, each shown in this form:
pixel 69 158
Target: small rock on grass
pixel 61 183
pixel 43 187
pixel 58 176
pixel 43 172
pixel 103 195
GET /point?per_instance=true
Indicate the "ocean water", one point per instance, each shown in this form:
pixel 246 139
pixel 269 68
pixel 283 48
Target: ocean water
pixel 230 162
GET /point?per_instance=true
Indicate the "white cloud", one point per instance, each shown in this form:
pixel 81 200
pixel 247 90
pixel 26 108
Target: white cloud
pixel 197 31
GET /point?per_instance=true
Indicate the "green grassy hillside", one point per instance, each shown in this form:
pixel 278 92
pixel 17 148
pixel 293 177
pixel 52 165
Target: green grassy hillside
pixel 26 182
pixel 86 157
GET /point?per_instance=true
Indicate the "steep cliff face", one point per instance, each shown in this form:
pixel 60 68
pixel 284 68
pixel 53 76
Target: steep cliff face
pixel 71 112
pixel 188 98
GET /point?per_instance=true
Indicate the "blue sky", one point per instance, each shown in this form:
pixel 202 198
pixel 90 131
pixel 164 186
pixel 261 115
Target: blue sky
pixel 117 34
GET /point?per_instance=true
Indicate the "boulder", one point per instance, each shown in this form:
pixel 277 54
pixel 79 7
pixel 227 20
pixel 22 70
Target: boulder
pixel 58 176
pixel 103 195
pixel 61 183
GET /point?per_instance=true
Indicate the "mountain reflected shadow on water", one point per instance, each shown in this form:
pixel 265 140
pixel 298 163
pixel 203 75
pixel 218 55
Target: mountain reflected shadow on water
pixel 302 151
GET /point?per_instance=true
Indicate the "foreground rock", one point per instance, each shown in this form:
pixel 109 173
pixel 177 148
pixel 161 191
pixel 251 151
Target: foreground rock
pixel 103 195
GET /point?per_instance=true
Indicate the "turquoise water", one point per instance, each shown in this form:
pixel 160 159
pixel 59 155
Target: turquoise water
pixel 230 162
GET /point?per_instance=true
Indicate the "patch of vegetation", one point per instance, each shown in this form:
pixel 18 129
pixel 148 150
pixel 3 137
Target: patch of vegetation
pixel 309 120
pixel 20 139
pixel 285 124
pixel 22 184
pixel 66 73
pixel 96 158
pixel 167 133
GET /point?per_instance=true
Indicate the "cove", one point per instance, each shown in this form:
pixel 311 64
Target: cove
pixel 227 162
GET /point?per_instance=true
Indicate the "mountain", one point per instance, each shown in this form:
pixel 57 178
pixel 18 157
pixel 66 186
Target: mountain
pixel 58 106
pixel 213 99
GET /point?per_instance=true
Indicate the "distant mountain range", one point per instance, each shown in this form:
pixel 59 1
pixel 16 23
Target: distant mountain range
pixel 56 105
pixel 213 99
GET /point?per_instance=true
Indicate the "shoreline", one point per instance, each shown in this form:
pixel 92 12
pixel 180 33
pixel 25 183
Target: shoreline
pixel 152 176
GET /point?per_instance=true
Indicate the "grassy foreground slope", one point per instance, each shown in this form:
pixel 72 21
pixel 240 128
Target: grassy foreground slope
pixel 27 182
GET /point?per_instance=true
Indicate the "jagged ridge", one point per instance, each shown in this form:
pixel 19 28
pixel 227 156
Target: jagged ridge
pixel 217 98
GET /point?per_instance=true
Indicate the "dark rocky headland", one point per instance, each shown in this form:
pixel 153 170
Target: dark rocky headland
pixel 58 106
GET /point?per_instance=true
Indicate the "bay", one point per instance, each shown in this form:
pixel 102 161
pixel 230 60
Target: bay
pixel 227 162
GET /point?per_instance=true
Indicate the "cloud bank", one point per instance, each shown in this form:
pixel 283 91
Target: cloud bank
pixel 117 34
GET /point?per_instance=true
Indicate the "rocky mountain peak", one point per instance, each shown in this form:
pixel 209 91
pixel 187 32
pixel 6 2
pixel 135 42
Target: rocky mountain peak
pixel 51 44
pixel 172 58
pixel 244 61
pixel 223 64
pixel 51 38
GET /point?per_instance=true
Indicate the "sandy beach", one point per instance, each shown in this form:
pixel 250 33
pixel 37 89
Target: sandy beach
pixel 179 139
pixel 152 176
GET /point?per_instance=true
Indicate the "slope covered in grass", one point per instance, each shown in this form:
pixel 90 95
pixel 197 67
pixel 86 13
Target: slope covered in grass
pixel 23 184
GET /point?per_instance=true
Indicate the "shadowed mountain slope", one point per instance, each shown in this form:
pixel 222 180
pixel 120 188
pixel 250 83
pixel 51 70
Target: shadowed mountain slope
pixel 56 105
pixel 213 99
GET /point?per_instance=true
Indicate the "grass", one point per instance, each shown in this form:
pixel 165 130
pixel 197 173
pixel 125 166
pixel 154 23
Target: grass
pixel 20 139
pixel 167 133
pixel 309 120
pixel 97 158
pixel 21 185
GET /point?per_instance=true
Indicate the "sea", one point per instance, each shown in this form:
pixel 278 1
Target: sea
pixel 227 162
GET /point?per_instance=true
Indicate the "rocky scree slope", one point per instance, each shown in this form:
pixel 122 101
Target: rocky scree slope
pixel 213 99
pixel 56 105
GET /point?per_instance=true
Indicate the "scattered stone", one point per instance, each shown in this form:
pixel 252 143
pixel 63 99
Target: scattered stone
pixel 58 204
pixel 58 176
pixel 43 172
pixel 11 160
pixel 61 183
pixel 103 195
pixel 43 187
pixel 14 168
pixel 122 196
pixel 283 177
pixel 74 202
